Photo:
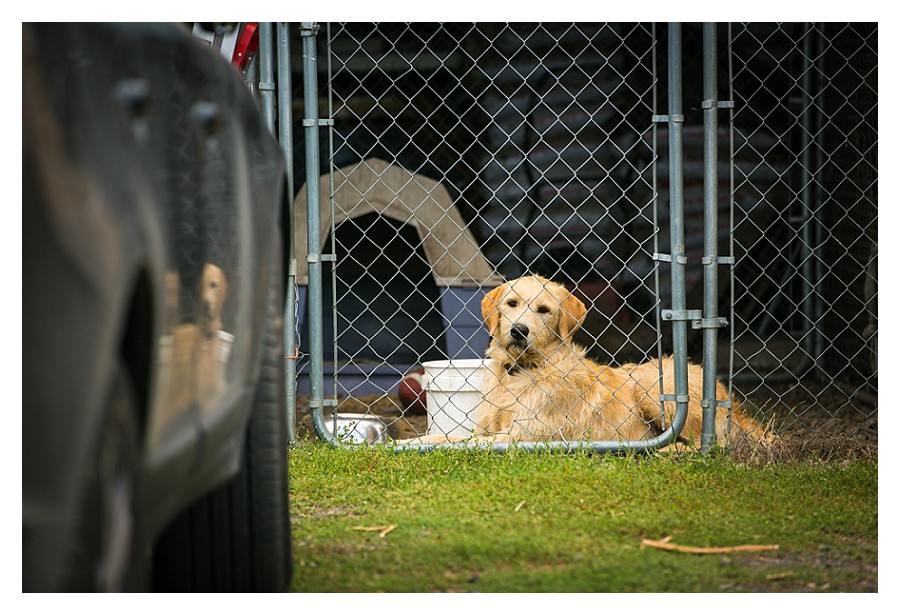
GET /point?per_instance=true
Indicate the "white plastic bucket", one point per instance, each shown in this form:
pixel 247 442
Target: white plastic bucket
pixel 452 394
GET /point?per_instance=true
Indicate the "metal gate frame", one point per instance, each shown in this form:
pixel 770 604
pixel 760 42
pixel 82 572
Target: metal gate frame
pixel 679 315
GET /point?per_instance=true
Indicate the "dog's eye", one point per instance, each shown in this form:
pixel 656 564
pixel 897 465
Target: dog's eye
pixel 512 303
pixel 543 309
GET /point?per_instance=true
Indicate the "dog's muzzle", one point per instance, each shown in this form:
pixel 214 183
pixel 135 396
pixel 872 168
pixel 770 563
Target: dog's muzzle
pixel 519 334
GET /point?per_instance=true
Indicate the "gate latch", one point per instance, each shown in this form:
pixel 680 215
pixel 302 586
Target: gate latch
pixel 682 315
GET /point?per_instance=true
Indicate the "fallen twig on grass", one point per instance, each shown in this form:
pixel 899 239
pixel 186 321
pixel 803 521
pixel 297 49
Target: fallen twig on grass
pixel 666 545
pixel 383 530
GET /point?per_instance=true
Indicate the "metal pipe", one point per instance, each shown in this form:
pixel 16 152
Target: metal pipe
pixel 710 236
pixel 285 103
pixel 267 75
pixel 308 32
pixel 286 138
pixel 731 267
pixel 597 446
pixel 676 216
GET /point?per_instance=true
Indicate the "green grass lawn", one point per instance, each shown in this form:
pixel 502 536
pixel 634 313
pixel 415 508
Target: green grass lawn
pixel 475 521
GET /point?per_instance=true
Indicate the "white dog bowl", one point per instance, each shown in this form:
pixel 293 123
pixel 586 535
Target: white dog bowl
pixel 357 428
pixel 452 394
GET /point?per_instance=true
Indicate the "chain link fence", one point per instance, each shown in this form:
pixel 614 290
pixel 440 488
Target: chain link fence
pixel 465 154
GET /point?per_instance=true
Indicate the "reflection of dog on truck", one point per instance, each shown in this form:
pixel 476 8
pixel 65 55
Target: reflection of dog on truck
pixel 540 385
pixel 193 357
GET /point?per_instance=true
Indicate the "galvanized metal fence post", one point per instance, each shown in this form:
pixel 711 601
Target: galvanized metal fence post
pixel 678 314
pixel 308 31
pixel 286 139
pixel 710 321
pixel 267 75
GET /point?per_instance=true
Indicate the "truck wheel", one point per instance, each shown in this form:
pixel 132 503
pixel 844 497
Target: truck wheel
pixel 237 538
pixel 107 554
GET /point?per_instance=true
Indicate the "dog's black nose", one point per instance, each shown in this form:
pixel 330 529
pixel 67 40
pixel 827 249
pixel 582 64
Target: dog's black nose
pixel 519 332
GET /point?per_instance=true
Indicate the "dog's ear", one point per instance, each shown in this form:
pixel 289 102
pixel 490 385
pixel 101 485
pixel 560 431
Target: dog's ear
pixel 490 308
pixel 571 315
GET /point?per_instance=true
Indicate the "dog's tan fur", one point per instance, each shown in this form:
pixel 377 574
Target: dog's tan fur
pixel 542 387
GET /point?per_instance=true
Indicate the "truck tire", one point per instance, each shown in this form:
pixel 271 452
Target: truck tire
pixel 237 538
pixel 107 554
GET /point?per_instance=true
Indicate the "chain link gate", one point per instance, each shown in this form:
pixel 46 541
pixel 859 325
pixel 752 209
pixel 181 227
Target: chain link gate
pixel 464 154
pixel 805 293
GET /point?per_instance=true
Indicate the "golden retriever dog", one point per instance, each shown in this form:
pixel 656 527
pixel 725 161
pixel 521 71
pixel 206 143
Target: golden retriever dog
pixel 543 387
